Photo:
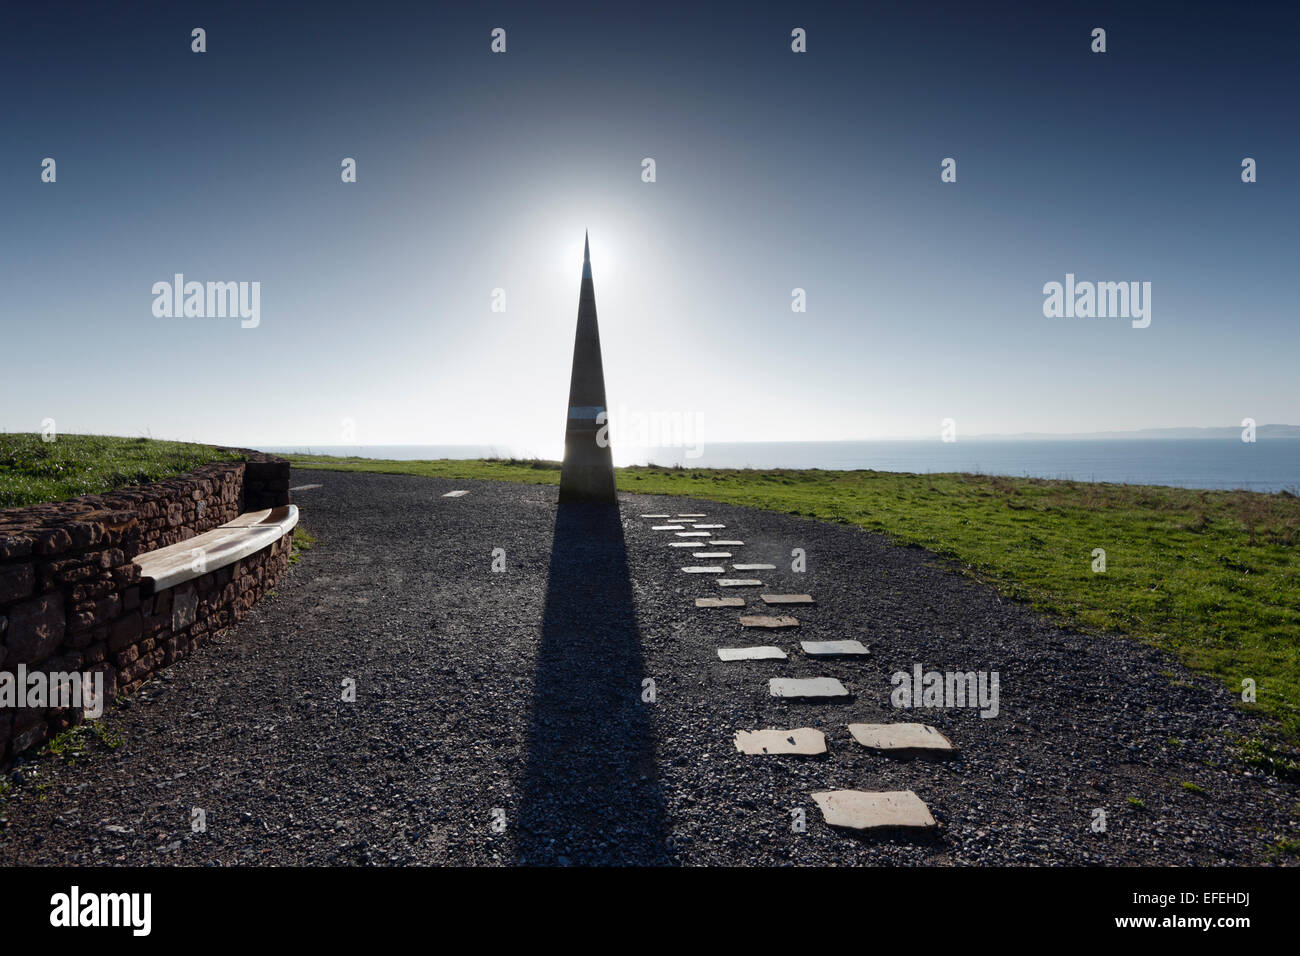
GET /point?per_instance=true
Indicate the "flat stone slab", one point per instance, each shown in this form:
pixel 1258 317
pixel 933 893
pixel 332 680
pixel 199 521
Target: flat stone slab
pixel 787 599
pixel 900 737
pixel 698 525
pixel 863 810
pixel 710 554
pixel 455 494
pixel 306 487
pixel 656 516
pixel 834 648
pixel 719 602
pixel 692 534
pixel 691 514
pixel 725 544
pixel 739 583
pixel 806 687
pixel 668 527
pixel 801 740
pixel 687 544
pixel 751 654
pixel 754 567
pixel 768 620
pixel 704 569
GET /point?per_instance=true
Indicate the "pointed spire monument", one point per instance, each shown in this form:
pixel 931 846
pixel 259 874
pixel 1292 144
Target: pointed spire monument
pixel 588 472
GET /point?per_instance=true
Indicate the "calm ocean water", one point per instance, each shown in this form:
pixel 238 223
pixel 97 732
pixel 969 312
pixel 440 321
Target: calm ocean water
pixel 1269 464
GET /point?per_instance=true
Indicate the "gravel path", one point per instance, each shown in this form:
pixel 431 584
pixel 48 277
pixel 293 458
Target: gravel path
pixel 499 717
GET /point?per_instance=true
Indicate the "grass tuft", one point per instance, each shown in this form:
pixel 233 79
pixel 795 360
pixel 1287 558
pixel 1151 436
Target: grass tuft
pixel 303 540
pixel 77 740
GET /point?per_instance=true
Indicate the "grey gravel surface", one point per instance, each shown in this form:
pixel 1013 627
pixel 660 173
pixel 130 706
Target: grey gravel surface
pixel 501 717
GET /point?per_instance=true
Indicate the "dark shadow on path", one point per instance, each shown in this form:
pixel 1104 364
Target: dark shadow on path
pixel 590 794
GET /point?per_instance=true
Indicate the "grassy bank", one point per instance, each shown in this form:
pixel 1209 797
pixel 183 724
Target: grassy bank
pixel 1210 576
pixel 33 471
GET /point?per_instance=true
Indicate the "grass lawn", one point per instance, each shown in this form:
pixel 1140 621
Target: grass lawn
pixel 33 471
pixel 1210 576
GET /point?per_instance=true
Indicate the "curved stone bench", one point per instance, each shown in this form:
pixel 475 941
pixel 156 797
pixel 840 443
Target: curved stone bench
pixel 218 548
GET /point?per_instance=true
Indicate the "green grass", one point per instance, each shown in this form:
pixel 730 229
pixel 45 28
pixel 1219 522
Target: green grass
pixel 1210 576
pixel 1263 754
pixel 33 471
pixel 303 540
pixel 76 741
pixel 1285 847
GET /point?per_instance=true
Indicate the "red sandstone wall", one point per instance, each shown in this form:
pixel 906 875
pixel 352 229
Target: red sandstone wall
pixel 70 597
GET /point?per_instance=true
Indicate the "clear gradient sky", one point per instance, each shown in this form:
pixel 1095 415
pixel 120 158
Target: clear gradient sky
pixel 775 170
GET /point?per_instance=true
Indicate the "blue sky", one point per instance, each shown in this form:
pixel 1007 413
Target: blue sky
pixel 775 170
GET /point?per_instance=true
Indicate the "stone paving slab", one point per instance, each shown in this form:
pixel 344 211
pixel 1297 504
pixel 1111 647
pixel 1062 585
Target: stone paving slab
pixel 704 569
pixel 668 527
pixel 719 602
pixel 455 494
pixel 691 514
pixel 834 648
pixel 765 653
pixel 787 599
pixel 768 620
pixel 710 554
pixel 801 740
pixel 900 737
pixel 862 810
pixel 739 583
pixel 656 516
pixel 716 526
pixel 692 534
pixel 806 687
pixel 687 544
pixel 725 544
pixel 754 567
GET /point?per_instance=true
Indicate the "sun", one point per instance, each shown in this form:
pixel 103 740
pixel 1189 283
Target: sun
pixel 604 251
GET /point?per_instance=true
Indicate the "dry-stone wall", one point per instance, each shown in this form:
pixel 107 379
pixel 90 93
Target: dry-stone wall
pixel 71 599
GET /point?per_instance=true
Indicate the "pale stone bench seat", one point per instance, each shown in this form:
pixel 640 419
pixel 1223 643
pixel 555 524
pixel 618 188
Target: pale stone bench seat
pixel 188 559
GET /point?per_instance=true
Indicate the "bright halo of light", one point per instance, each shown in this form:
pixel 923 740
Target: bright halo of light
pixel 604 252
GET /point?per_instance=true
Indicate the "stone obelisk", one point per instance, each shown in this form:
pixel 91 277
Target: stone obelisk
pixel 588 471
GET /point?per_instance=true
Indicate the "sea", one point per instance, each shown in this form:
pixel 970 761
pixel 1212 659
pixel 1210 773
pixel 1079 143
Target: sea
pixel 1267 464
